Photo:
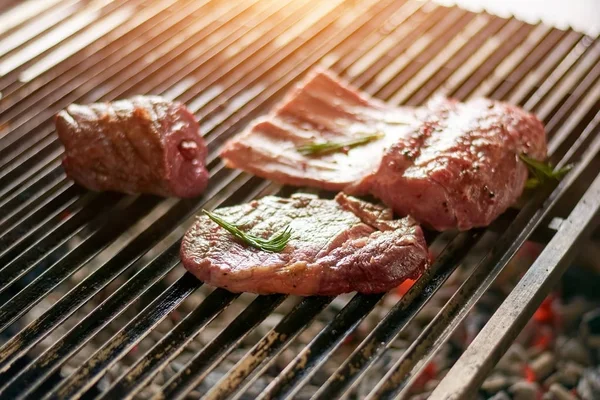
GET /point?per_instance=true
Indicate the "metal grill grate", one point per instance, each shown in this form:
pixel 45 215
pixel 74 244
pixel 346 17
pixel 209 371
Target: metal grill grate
pixel 229 61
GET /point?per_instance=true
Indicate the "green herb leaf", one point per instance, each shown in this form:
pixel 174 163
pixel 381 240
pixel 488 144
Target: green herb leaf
pixel 275 244
pixel 542 172
pixel 331 147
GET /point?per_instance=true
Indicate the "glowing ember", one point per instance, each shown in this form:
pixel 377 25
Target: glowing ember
pixel 404 287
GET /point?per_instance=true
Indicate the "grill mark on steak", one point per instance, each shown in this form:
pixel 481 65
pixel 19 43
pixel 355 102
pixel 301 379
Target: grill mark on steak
pixel 154 170
pixel 448 164
pixel 122 147
pixel 126 148
pixel 337 246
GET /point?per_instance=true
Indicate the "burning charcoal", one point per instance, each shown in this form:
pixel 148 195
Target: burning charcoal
pixel 431 384
pixel 194 346
pixel 474 322
pixel 593 341
pixel 570 374
pixel 177 366
pixel 194 394
pixel 560 393
pixel 443 373
pixel 527 333
pixel 500 396
pixel 524 390
pixel 574 350
pixel 427 314
pixel 513 360
pixel 571 312
pixel 543 365
pixel 421 396
pixel 590 327
pixel 400 344
pixel 494 383
pixel 589 385
pixel 555 377
pixel 534 351
pixel 306 392
pixel 444 294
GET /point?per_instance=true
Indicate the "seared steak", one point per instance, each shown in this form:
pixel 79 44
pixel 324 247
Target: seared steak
pixel 145 144
pixel 337 246
pixel 448 164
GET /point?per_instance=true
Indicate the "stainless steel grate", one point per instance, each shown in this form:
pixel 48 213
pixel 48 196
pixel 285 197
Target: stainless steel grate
pixel 229 61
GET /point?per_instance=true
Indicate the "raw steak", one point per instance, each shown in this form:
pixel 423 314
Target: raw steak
pixel 145 144
pixel 447 164
pixel 337 246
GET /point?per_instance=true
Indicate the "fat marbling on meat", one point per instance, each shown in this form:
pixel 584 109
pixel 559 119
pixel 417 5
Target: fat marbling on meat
pixel 447 164
pixel 145 144
pixel 337 246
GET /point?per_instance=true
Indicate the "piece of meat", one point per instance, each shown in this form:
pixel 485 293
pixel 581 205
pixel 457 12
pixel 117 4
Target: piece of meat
pixel 447 164
pixel 145 144
pixel 337 246
pixel 321 109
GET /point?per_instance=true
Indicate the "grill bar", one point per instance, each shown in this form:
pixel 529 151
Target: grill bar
pixel 16 255
pixel 140 374
pixel 348 372
pixel 93 83
pixel 302 360
pixel 474 287
pixel 523 300
pixel 119 220
pixel 393 50
pixel 102 315
pixel 84 378
pixel 305 364
pixel 256 360
pixel 363 315
pixel 17 346
pixel 117 70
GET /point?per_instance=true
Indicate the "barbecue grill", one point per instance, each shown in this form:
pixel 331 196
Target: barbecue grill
pixel 229 62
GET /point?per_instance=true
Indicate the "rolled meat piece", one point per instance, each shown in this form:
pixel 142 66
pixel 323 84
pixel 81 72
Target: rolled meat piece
pixel 145 144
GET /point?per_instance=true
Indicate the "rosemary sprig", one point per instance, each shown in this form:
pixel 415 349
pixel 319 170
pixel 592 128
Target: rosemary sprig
pixel 275 244
pixel 542 172
pixel 315 148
